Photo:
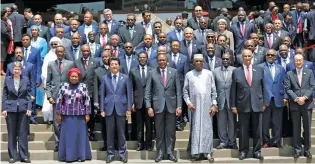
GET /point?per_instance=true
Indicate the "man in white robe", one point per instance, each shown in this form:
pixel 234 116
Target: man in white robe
pixel 200 96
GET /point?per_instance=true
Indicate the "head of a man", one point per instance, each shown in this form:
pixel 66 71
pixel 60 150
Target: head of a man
pixel 188 34
pixel 88 17
pixel 198 62
pixel 198 11
pixel 114 65
pixel 86 52
pixel 162 60
pixel 147 40
pixel 143 58
pixel 128 48
pixel 299 60
pixel 247 56
pixel 162 37
pixel 271 56
pixel 60 52
pixel 91 36
pixel 283 51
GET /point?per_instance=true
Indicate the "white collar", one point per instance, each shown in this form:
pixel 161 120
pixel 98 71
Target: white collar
pixel 250 66
pixel 28 48
pixel 163 69
pixel 145 67
pixel 116 75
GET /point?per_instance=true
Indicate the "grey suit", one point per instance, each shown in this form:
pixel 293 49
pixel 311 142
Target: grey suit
pixel 43 32
pixel 137 37
pixel 225 117
pixel 17 25
pixel 165 101
pixel 201 38
pixel 294 90
pixel 54 80
pixel 66 42
pixel 258 59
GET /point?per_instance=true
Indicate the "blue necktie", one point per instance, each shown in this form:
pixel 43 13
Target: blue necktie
pixel 114 82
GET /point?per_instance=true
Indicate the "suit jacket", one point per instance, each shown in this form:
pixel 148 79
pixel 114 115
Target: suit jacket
pixel 12 99
pixel 98 51
pixel 17 25
pixel 258 59
pixel 295 20
pixel 55 78
pixel 152 27
pixel 230 39
pixel 153 53
pixel 311 20
pixel 217 62
pixel 268 18
pixel 192 23
pixel 290 29
pixel 195 49
pixel 172 36
pixel 28 70
pixel 138 85
pixel 166 45
pixel 70 55
pixel 294 90
pixel 120 99
pixel 292 53
pixel 137 37
pixel 114 27
pixel 66 42
pixel 154 64
pixel 98 75
pixel 30 22
pixel 53 30
pixel 43 32
pixel 121 51
pixel 98 39
pixel 307 64
pixel 95 28
pixel 239 40
pixel 181 66
pixel 123 64
pixel 281 33
pixel 223 86
pixel 35 58
pixel 274 88
pixel 244 97
pixel 82 37
pixel 5 34
pixel 275 43
pixel 157 96
pixel 198 36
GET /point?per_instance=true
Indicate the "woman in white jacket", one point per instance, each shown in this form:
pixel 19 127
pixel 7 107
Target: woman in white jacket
pixel 51 56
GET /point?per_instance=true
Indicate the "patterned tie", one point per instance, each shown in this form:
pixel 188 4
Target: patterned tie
pixel 104 41
pixel 115 52
pixel 85 63
pixel 163 78
pixel 248 76
pixel 60 66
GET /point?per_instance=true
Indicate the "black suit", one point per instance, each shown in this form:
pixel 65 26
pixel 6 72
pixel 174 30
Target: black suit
pixel 248 99
pixel 294 90
pixel 87 77
pixel 138 86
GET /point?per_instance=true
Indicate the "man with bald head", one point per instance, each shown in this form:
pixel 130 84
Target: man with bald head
pixel 283 56
pixel 117 50
pixel 88 25
pixel 248 102
pixel 241 31
pixel 148 47
pixel 256 59
pixel 17 25
pixel 287 41
pixel 74 26
pixel 58 22
pixel 307 64
pixel 194 22
pixel 300 85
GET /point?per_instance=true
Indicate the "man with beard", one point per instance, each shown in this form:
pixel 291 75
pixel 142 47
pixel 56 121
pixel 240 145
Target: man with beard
pixel 74 25
pixel 74 52
pixel 129 60
pixel 99 73
pixel 96 49
pixel 147 47
pixel 225 117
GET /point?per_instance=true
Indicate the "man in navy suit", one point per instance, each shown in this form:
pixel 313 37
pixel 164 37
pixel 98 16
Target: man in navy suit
pixel 241 31
pixel 177 33
pixel 307 64
pixel 181 66
pixel 283 58
pixel 129 60
pixel 88 25
pixel 275 97
pixel 116 104
pixel 131 32
pixel 74 25
pixel 147 46
pixel 189 46
pixel 298 17
pixel 112 24
pixel 59 22
pixel 96 49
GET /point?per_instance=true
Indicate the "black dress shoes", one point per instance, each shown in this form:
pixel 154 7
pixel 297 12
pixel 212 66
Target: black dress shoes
pixel 91 138
pixel 103 149
pixel 221 146
pixel 12 160
pixel 171 157
pixel 296 155
pixel 195 157
pixel 178 128
pixel 123 159
pixel 56 149
pixel 26 160
pixel 159 158
pixel 308 155
pixel 242 156
pixel 140 147
pixel 109 159
pixel 258 155
pixel 233 146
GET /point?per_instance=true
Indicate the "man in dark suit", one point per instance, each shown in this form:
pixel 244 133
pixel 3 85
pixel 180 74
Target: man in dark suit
pixel 287 42
pixel 129 60
pixel 112 24
pixel 28 15
pixel 241 31
pixel 88 25
pixel 288 26
pixel 96 49
pixel 189 46
pixel 278 29
pixel 163 81
pixel 147 46
pixel 43 30
pixel 58 22
pixel 248 102
pixel 283 58
pixel 310 16
pixel 211 61
pixel 115 105
pixel 300 85
pixel 306 64
pixel 274 14
pixel 272 40
pixel 131 32
pixel 74 52
pixel 87 65
pixel 138 77
pixel 257 58
pixel 99 73
pixel 74 25
pixel 182 67
pixel 157 30
pixel 275 97
pixel 177 33
pixel 225 117
pixel 56 75
pixel 298 17
pixel 259 50
pixel 200 33
pixel 103 38
pixel 194 22
pixel 17 25
pixel 117 49
pixel 162 41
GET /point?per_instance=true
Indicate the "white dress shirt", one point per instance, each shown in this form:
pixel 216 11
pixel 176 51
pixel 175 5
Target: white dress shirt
pixel 87 29
pixel 77 52
pixel 103 37
pixel 145 70
pixel 213 62
pixel 117 75
pixel 92 47
pixel 175 58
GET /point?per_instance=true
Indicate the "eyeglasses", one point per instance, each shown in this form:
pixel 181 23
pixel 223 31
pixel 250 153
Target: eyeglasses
pixel 198 10
pixel 198 61
pixel 210 36
pixel 128 47
pixel 271 55
pixel 53 44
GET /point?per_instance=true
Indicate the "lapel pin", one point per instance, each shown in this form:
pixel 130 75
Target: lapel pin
pixel 91 62
pixel 121 77
pixel 304 73
pixel 254 70
pixel 134 31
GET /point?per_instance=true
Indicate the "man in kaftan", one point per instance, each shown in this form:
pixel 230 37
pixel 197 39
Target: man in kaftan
pixel 200 96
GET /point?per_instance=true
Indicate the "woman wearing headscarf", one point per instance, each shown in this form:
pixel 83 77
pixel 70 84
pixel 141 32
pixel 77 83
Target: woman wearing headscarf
pixel 41 44
pixel 6 37
pixel 72 110
pixel 51 56
pixel 17 108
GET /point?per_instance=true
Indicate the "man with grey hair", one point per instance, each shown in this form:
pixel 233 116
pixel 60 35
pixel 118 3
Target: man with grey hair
pixel 117 49
pixel 58 22
pixel 200 95
pixel 112 24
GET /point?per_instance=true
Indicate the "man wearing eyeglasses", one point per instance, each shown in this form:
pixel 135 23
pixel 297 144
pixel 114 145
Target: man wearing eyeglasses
pixel 129 60
pixel 275 97
pixel 194 22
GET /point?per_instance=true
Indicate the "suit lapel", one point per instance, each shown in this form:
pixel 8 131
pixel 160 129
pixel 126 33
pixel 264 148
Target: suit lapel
pixel 244 76
pixel 22 83
pixel 268 70
pixel 160 76
pixel 11 85
pixel 119 81
pixel 303 77
pixel 109 78
pixel 296 77
pixel 168 78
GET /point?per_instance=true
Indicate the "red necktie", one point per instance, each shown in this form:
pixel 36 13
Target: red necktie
pixel 115 52
pixel 104 41
pixel 163 77
pixel 270 41
pixel 60 66
pixel 85 64
pixel 248 75
pixel 243 29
